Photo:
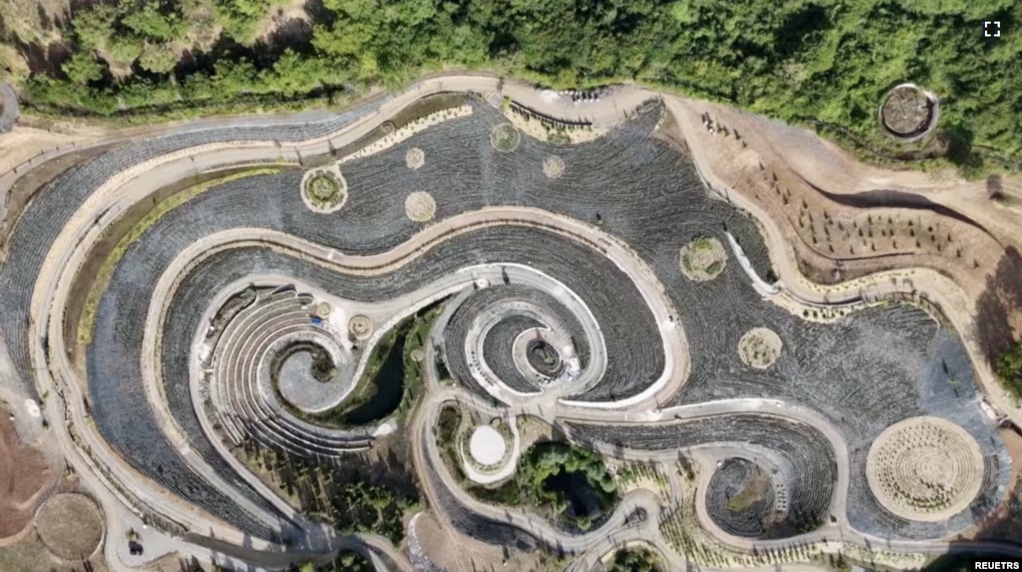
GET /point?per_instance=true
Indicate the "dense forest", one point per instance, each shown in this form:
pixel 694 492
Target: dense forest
pixel 820 62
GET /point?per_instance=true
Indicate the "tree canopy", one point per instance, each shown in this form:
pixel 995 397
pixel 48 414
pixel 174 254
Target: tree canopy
pixel 1009 370
pixel 825 62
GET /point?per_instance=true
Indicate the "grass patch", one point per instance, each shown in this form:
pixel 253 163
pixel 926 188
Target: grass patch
pixel 323 187
pixel 119 236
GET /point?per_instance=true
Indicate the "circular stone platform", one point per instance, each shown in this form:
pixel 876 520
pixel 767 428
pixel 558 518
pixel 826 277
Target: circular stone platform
pixel 420 206
pixel 908 112
pixel 70 525
pixel 925 469
pixel 487 446
pixel 415 158
pixel 703 259
pixel 553 166
pixel 759 348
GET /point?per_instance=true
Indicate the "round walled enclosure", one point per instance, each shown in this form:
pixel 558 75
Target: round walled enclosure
pixel 487 446
pixel 908 112
pixel 420 206
pixel 544 358
pixel 70 525
pixel 703 259
pixel 759 348
pixel 925 469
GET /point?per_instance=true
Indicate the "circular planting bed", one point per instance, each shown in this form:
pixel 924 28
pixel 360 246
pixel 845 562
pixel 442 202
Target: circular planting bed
pixel 553 166
pixel 908 112
pixel 505 137
pixel 360 327
pixel 415 158
pixel 759 348
pixel 487 446
pixel 703 259
pixel 70 525
pixel 420 206
pixel 324 191
pixel 925 469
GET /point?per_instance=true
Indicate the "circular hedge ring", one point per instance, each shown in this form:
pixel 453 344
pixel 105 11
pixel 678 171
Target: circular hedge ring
pixel 925 469
pixel 324 190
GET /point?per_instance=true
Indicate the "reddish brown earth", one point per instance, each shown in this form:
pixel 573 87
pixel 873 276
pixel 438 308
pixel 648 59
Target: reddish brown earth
pixel 24 478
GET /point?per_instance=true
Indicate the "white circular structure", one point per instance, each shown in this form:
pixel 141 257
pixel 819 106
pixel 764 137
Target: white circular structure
pixel 487 446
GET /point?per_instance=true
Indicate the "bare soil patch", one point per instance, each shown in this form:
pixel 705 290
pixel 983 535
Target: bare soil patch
pixel 24 478
pixel 471 555
pixel 793 177
pixel 70 525
pixel 30 555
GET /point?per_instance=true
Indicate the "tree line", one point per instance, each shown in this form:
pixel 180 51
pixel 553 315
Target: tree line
pixel 828 62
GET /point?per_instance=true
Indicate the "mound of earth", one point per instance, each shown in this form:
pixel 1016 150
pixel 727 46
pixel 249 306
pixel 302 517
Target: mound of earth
pixel 24 476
